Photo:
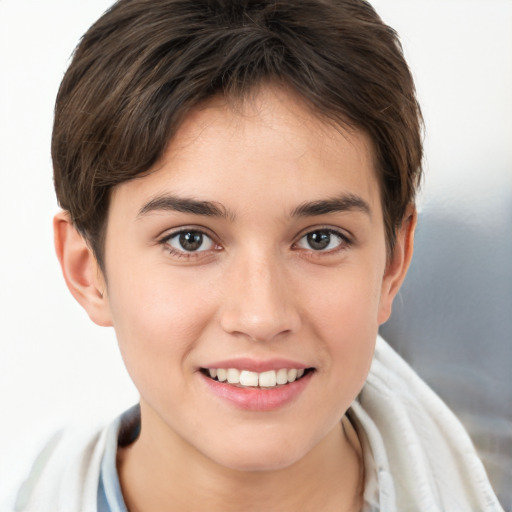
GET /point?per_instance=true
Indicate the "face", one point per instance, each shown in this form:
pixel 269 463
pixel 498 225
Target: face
pixel 254 250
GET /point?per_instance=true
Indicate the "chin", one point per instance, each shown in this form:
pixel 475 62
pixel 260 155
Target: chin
pixel 251 456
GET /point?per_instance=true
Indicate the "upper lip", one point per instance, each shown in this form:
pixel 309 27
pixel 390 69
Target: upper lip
pixel 254 365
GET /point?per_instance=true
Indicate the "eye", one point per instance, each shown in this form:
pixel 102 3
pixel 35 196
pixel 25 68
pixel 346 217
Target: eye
pixel 323 240
pixel 190 240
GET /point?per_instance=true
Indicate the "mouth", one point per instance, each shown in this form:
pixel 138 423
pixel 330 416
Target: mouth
pixel 257 380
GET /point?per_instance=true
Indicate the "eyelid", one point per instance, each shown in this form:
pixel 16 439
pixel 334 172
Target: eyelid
pixel 343 233
pixel 163 240
pixel 169 233
pixel 205 240
pixel 346 239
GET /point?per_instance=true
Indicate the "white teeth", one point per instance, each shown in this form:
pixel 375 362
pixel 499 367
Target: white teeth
pixel 282 376
pixel 268 379
pixel 248 378
pixel 292 375
pixel 233 376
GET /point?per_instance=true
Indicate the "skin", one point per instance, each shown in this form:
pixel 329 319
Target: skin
pixel 256 289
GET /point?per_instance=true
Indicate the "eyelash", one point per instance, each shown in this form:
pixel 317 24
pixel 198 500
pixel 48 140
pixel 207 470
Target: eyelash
pixel 165 241
pixel 345 242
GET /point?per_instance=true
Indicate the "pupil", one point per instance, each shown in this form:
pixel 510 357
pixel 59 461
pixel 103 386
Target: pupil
pixel 191 240
pixel 319 239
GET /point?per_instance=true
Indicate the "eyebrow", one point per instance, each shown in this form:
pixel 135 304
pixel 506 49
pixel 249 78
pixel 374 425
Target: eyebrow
pixel 341 203
pixel 184 205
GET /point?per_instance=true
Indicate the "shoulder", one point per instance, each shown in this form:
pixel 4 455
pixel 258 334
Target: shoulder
pixel 421 453
pixel 60 472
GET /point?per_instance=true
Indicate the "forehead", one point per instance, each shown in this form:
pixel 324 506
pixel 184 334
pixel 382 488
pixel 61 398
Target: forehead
pixel 269 145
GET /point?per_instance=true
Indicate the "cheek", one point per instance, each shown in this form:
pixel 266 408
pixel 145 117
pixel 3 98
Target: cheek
pixel 345 317
pixel 158 317
pixel 348 301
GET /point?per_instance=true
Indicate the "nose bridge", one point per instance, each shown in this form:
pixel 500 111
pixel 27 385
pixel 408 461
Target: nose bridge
pixel 258 301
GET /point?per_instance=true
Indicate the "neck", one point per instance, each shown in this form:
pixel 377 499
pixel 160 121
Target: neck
pixel 327 478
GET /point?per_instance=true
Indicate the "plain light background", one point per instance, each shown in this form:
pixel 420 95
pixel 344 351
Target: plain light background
pixel 55 364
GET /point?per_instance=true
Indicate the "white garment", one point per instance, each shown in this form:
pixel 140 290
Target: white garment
pixel 423 459
pixel 417 455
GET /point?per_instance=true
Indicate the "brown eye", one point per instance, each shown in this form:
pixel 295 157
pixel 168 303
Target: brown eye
pixel 190 241
pixel 321 240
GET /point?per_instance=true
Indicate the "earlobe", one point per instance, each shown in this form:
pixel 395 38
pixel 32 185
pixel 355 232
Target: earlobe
pixel 81 270
pixel 398 264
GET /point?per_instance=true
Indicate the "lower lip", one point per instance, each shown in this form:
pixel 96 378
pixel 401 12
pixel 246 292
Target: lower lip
pixel 258 399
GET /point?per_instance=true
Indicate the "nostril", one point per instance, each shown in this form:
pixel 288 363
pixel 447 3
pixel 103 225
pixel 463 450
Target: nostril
pixel 260 327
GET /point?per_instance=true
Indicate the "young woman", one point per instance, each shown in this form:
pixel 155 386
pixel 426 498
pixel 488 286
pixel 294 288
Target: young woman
pixel 237 181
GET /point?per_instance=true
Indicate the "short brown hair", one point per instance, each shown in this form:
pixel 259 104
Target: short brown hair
pixel 145 64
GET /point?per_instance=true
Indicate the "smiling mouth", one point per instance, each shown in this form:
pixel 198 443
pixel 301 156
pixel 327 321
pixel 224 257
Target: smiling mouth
pixel 263 380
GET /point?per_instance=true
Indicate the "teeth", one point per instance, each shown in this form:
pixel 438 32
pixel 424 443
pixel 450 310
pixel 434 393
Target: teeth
pixel 292 375
pixel 282 376
pixel 233 376
pixel 247 378
pixel 268 379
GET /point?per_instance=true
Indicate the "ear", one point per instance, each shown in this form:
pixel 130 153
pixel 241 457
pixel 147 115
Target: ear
pixel 398 263
pixel 81 271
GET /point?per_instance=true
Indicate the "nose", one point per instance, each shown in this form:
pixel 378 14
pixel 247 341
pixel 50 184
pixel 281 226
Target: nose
pixel 258 301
